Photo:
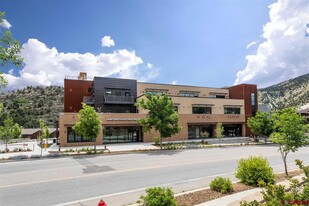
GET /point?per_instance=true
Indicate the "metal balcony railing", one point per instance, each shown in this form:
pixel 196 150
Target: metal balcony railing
pixel 114 99
pixel 88 100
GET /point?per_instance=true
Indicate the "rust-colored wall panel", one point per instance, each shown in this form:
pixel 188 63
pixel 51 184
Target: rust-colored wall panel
pixel 74 91
pixel 243 91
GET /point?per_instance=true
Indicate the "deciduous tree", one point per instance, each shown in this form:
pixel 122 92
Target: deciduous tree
pixel 219 131
pixel 89 124
pixel 261 125
pixel 44 134
pixel 161 115
pixel 288 132
pixel 9 131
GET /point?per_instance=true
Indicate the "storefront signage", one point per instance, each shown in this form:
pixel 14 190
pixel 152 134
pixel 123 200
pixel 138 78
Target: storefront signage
pixel 121 119
pixel 233 117
pixel 203 117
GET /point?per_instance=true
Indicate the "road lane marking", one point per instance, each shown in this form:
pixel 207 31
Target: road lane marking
pixel 144 188
pixel 141 189
pixel 115 172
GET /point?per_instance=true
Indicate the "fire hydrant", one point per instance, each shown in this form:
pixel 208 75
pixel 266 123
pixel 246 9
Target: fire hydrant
pixel 102 203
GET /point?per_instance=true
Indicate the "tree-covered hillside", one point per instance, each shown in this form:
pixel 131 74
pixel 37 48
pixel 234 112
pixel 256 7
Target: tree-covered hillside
pixel 28 105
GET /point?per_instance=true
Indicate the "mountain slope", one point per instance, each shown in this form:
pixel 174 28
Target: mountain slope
pixel 290 93
pixel 28 105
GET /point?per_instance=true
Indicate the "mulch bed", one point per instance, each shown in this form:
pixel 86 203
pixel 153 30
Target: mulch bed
pixel 281 176
pixel 208 194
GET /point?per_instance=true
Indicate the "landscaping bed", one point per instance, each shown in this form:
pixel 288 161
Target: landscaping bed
pixel 208 194
pixel 199 197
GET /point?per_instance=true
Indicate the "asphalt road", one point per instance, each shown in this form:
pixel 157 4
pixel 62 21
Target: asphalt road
pixel 120 179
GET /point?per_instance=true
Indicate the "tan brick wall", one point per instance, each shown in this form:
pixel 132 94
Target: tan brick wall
pixel 217 105
pixel 129 119
pixel 175 89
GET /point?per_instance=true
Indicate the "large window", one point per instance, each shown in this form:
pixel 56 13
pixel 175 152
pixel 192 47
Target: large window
pixel 232 130
pixel 188 94
pixel 253 103
pixel 231 110
pixel 122 134
pixel 154 93
pixel 201 110
pixel 252 99
pixel 72 136
pixel 202 131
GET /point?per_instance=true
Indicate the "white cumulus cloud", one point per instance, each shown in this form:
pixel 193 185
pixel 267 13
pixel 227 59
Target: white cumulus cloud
pixel 107 41
pixel 46 66
pixel 5 24
pixel 283 54
pixel 149 65
pixel 251 44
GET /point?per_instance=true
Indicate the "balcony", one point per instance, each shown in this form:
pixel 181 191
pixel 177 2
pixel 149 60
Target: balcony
pixel 116 99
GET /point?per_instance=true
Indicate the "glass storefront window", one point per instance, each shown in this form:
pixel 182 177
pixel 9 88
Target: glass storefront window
pixel 197 132
pixel 72 136
pixel 122 134
pixel 232 130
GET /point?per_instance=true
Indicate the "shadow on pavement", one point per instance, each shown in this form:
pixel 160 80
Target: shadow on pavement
pixel 164 152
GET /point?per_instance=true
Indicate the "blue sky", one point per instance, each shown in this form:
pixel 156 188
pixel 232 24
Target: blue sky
pixel 185 42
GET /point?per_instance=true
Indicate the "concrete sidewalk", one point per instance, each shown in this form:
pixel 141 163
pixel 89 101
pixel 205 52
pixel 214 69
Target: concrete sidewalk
pixel 117 147
pixel 36 150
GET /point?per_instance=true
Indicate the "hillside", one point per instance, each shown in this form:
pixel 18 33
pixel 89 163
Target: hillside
pixel 290 93
pixel 28 105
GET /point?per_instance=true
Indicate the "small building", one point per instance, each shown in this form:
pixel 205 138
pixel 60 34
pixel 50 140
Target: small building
pixel 34 133
pixel 304 113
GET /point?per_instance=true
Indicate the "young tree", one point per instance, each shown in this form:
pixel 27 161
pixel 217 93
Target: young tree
pixel 44 134
pixel 288 132
pixel 261 125
pixel 219 130
pixel 9 130
pixel 9 49
pixel 89 124
pixel 161 115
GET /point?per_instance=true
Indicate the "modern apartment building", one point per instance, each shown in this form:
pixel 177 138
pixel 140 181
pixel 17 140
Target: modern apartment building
pixel 199 109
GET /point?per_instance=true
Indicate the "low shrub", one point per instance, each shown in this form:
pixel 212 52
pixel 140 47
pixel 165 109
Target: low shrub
pixel 19 157
pixel 54 155
pixel 253 170
pixel 35 156
pixel 158 196
pixel 253 203
pixel 16 149
pixel 299 163
pixel 156 140
pixel 220 184
pixel 305 195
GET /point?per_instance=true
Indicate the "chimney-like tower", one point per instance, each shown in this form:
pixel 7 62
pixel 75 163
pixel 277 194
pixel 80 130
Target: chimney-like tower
pixel 82 76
